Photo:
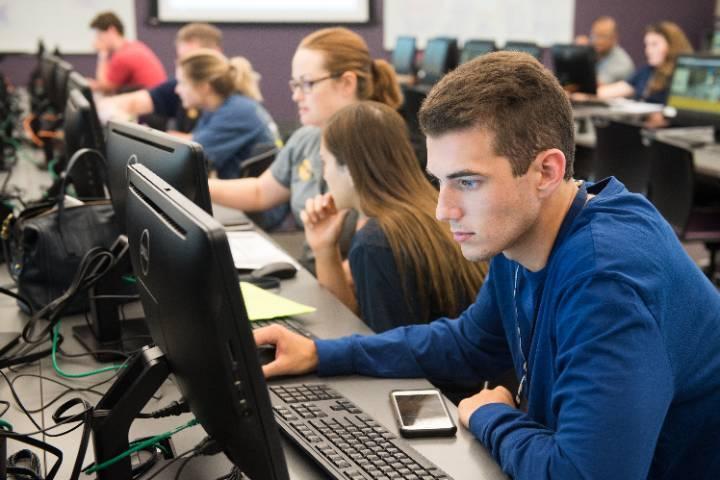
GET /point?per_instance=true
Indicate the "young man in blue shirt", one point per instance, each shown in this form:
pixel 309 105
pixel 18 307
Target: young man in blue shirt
pixel 613 332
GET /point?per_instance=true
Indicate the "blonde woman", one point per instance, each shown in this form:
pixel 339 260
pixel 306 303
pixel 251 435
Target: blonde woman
pixel 233 120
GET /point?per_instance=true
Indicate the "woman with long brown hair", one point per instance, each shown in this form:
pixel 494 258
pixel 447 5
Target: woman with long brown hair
pixel 405 266
pixel 664 42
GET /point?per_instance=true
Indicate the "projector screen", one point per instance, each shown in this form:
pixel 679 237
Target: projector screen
pixel 265 11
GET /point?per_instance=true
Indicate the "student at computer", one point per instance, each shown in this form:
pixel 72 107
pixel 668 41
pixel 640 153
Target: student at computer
pixel 405 266
pixel 122 63
pixel 162 99
pixel 613 62
pixel 331 69
pixel 612 329
pixel 664 41
pixel 233 120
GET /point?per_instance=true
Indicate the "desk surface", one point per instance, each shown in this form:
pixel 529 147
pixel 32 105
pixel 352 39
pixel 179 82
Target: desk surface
pixel 462 457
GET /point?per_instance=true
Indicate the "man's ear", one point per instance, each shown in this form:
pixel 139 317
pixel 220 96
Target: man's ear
pixel 550 165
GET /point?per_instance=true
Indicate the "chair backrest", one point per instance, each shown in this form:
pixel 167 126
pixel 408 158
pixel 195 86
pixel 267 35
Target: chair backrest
pixel 475 48
pixel 261 156
pixel 528 47
pixel 672 183
pixel 620 152
pixel 403 56
pixel 441 56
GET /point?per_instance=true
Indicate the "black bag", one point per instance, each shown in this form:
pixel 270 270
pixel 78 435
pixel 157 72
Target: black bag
pixel 47 242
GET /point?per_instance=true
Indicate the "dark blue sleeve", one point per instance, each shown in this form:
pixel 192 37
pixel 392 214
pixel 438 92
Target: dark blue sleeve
pixel 227 136
pixel 379 290
pixel 468 349
pixel 165 100
pixel 613 388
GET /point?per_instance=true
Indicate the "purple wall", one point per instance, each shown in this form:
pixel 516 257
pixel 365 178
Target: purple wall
pixel 270 48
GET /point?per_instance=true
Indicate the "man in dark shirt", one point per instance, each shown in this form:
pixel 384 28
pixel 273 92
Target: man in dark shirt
pixel 162 99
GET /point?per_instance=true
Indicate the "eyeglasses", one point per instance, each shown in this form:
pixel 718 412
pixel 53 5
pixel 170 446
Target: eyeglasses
pixel 306 85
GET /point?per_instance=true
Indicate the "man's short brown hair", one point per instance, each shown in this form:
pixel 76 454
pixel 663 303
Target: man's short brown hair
pixel 206 35
pixel 511 95
pixel 103 21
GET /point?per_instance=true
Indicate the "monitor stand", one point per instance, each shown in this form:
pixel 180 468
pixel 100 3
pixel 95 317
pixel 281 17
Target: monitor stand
pixel 106 331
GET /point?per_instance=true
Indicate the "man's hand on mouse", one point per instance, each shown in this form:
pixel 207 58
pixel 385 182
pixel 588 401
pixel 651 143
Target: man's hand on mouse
pixel 294 354
pixel 323 223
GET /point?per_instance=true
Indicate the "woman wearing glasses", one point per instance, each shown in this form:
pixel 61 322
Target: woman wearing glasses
pixel 331 69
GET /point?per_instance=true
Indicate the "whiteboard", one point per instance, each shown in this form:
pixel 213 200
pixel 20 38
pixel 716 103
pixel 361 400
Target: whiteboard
pixel 61 23
pixel 544 22
pixel 270 11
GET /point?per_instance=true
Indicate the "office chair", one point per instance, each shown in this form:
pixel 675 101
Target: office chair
pixel 528 47
pixel 672 188
pixel 261 156
pixel 475 48
pixel 620 152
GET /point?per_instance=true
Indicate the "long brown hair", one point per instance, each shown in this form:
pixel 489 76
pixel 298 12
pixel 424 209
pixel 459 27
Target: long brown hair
pixel 677 45
pixel 371 139
pixel 346 51
pixel 224 76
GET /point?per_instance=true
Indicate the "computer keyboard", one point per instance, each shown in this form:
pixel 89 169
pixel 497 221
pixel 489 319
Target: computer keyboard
pixel 347 443
pixel 288 323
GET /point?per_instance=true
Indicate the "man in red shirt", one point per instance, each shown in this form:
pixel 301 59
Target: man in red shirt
pixel 122 64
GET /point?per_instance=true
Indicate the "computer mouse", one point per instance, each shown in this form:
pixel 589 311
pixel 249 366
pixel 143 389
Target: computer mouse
pixel 266 354
pixel 281 270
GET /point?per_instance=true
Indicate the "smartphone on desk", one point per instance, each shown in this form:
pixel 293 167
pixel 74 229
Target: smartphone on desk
pixel 422 413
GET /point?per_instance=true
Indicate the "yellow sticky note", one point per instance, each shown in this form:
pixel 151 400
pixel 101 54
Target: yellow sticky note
pixel 262 305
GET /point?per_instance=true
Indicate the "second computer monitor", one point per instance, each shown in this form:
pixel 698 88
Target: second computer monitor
pixel 403 56
pixel 194 308
pixel 695 91
pixel 82 130
pixel 441 56
pixel 575 67
pixel 181 163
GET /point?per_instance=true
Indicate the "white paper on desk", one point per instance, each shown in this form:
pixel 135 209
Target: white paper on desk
pixel 250 250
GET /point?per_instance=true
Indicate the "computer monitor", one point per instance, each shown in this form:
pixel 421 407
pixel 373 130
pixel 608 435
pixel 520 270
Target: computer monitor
pixel 530 48
pixel 60 84
pixel 48 64
pixel 191 296
pixel 475 48
pixel 575 67
pixel 441 56
pixel 403 57
pixel 181 163
pixel 82 130
pixel 695 91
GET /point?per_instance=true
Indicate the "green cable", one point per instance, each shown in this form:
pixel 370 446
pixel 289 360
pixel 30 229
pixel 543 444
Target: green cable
pixel 51 168
pixel 129 278
pixel 5 425
pixel 140 446
pixel 75 375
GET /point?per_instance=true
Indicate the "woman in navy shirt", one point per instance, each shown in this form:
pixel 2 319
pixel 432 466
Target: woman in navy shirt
pixel 664 41
pixel 405 266
pixel 233 121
